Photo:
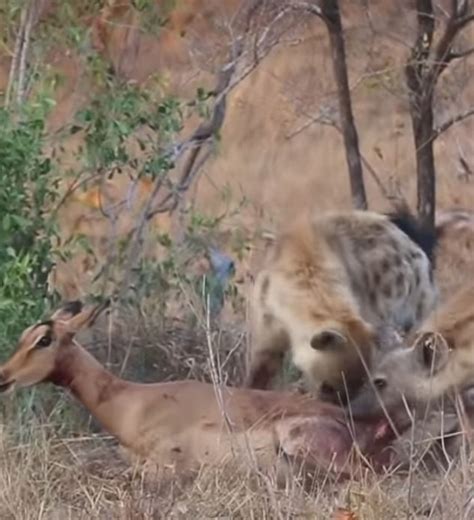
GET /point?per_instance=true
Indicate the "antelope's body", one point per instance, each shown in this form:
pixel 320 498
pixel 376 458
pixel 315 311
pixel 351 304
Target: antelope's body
pixel 186 424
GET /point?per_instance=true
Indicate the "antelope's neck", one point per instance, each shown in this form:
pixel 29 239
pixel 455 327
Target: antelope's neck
pixel 101 392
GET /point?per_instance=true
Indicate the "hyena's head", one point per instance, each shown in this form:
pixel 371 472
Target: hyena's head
pixel 405 377
pixel 340 356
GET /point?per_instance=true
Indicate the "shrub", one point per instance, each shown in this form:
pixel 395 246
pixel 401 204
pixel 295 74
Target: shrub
pixel 26 231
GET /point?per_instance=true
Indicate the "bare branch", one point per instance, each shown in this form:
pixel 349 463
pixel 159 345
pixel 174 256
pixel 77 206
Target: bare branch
pixel 421 79
pixel 454 55
pixel 394 197
pixel 325 118
pixel 195 143
pixel 329 12
pixel 23 53
pixel 205 131
pixel 421 49
pixel 457 21
pixel 229 76
pixel 460 7
pixel 76 184
pixel 16 56
pixel 466 171
pixel 465 20
pixel 228 79
pixel 333 22
pixel 29 17
pixel 452 121
pixel 385 33
pixel 306 6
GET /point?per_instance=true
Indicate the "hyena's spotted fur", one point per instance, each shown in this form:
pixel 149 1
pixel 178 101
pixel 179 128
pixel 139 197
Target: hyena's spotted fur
pixel 330 284
pixel 440 359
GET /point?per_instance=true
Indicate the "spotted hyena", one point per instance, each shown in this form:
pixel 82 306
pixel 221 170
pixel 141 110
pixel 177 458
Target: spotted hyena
pixel 440 359
pixel 331 283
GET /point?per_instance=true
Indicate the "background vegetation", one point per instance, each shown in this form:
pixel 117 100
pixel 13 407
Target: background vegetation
pixel 106 200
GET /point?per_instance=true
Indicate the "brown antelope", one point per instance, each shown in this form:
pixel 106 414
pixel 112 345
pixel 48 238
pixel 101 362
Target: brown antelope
pixel 185 424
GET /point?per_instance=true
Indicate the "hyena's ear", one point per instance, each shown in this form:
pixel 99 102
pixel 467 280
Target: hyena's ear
pixel 327 340
pixel 432 351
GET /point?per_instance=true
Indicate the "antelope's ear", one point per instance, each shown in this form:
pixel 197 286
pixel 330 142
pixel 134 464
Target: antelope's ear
pixel 86 317
pixel 67 311
pixel 432 351
pixel 327 340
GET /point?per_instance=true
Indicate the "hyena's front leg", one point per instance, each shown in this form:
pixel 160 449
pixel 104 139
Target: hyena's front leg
pixel 269 344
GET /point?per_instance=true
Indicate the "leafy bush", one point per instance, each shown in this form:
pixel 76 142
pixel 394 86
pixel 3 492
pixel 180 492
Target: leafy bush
pixel 26 231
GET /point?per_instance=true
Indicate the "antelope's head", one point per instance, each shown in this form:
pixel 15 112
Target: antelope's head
pixel 40 346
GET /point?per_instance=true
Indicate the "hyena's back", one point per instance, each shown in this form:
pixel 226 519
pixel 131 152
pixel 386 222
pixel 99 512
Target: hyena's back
pixel 329 283
pixel 389 274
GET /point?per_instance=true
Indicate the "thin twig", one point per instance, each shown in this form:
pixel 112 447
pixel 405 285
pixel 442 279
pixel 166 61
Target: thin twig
pixel 16 56
pixel 454 55
pixel 30 18
pixel 396 199
pixel 227 81
pixel 452 121
pixel 200 137
pixel 306 6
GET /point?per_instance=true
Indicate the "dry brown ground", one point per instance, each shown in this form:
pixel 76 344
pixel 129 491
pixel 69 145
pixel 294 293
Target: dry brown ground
pixel 48 475
pixel 82 478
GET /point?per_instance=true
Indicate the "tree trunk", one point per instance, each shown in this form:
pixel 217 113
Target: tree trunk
pixel 422 124
pixel 421 83
pixel 332 18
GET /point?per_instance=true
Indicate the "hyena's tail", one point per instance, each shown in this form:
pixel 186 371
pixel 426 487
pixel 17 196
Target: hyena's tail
pixel 424 236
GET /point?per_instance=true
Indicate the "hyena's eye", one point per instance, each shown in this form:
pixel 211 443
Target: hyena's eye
pixel 380 383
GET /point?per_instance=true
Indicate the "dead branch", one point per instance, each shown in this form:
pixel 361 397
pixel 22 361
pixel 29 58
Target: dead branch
pixel 425 65
pixel 443 54
pixel 324 117
pixel 205 131
pixel 24 52
pixel 230 75
pixel 455 55
pixel 16 56
pixel 308 7
pixel 385 33
pixel 466 171
pixel 28 19
pixel 452 121
pixel 329 12
pixel 416 65
pixel 332 18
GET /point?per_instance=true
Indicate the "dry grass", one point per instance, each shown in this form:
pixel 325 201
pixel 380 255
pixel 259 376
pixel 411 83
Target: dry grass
pixel 58 478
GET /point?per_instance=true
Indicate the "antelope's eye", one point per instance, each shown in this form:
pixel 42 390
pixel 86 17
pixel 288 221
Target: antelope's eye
pixel 45 341
pixel 380 383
